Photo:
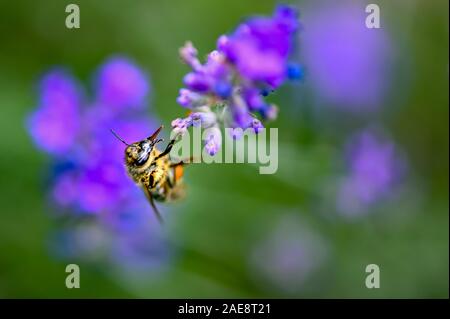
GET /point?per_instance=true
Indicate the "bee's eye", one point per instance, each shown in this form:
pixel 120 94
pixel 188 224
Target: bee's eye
pixel 143 157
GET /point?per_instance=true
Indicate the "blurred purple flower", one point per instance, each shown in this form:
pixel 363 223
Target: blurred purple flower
pixel 376 167
pixel 121 85
pixel 86 240
pixel 288 255
pixel 131 239
pixel 348 64
pixel 248 64
pixel 55 124
pixel 88 178
pixel 141 243
pixel 98 181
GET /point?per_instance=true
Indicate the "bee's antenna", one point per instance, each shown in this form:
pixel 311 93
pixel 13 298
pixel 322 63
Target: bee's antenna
pixel 119 138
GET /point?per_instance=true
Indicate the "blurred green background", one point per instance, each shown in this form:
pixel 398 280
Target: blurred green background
pixel 231 207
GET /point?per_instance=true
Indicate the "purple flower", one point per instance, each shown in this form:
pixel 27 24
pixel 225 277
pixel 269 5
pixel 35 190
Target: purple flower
pixel 102 187
pixel 141 243
pixel 188 54
pixel 204 119
pixel 55 124
pixel 270 112
pixel 260 46
pixel 233 81
pixel 289 254
pixel 375 168
pixel 65 189
pixel 261 66
pixel 180 126
pixel 197 82
pixel 59 89
pixel 87 241
pixel 213 75
pixel 216 67
pixel 257 125
pixel 213 141
pixel 223 89
pixel 186 98
pixel 141 251
pixel 130 239
pixel 99 180
pixel 95 181
pixel 121 85
pixel 348 64
pixel 254 99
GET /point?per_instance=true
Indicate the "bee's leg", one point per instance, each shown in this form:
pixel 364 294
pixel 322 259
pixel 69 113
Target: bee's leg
pixel 152 202
pixel 167 150
pixel 151 180
pixel 183 162
pixel 169 180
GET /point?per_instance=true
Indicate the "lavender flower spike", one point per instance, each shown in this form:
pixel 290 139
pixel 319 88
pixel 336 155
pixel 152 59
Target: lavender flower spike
pixel 247 64
pixel 88 176
pixel 375 169
pixel 121 85
pixel 55 124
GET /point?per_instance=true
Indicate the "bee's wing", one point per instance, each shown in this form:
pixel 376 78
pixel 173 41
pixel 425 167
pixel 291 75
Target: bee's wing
pixel 177 192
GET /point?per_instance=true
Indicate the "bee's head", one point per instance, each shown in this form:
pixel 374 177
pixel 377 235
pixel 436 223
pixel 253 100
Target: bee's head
pixel 139 153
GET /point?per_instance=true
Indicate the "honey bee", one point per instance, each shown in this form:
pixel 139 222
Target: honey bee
pixel 153 171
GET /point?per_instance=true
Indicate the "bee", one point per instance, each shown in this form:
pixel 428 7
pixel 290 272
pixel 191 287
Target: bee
pixel 153 171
